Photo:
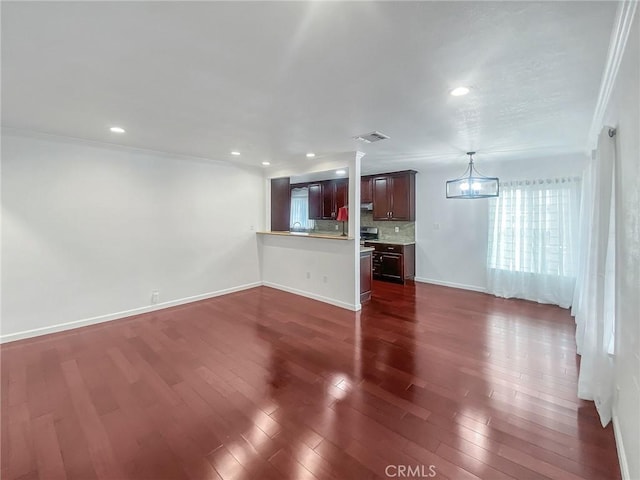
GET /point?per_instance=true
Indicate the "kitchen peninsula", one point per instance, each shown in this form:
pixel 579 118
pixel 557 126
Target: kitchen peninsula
pixel 295 252
pixel 328 236
pixel 366 258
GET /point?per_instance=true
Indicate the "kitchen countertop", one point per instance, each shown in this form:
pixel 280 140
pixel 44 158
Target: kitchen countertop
pixel 390 242
pixel 307 235
pixel 366 249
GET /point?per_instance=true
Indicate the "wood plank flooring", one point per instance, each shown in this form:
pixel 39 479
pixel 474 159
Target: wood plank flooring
pixel 263 384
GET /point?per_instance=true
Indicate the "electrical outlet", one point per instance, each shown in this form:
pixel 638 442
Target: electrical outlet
pixel 324 279
pixel 337 227
pixel 396 229
pixel 436 226
pixel 155 296
pixel 308 275
pixel 252 228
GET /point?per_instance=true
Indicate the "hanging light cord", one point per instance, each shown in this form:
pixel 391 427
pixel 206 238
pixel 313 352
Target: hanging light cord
pixel 472 168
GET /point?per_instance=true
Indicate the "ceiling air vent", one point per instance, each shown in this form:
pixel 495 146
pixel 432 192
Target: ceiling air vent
pixel 371 137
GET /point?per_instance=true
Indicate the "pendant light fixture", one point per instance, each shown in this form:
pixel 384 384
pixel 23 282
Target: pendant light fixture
pixel 472 184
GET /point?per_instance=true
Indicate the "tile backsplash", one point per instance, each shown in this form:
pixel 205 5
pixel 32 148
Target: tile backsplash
pixel 386 229
pixel 329 226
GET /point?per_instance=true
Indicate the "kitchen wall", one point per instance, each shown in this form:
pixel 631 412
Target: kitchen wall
pixel 451 235
pixel 622 113
pixel 386 230
pixel 89 230
pixel 329 226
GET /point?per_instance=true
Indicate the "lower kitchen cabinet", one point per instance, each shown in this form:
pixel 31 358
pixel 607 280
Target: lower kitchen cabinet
pixel 393 262
pixel 391 266
pixel 366 270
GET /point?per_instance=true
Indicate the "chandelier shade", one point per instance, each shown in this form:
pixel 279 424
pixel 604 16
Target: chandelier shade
pixel 472 184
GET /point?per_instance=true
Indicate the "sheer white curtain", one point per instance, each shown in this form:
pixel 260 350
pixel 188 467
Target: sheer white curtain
pixel 593 304
pixel 532 253
pixel 299 217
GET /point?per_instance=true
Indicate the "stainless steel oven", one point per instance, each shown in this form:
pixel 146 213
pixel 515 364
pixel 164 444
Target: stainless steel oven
pixel 368 233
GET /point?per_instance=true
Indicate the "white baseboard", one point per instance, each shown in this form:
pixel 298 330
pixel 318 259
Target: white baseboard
pixel 314 296
pixel 451 284
pixel 11 337
pixel 622 456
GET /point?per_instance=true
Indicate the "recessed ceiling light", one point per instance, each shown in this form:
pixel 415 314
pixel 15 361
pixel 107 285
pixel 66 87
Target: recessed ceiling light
pixel 117 129
pixel 311 155
pixel 235 153
pixel 459 91
pixel 266 163
pixel 340 172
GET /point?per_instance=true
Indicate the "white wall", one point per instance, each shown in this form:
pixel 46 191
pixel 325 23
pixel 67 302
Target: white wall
pixel 623 113
pixel 90 230
pixel 451 235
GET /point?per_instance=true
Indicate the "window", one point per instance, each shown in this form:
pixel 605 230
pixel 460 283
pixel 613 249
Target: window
pixel 532 227
pixel 532 244
pixel 299 219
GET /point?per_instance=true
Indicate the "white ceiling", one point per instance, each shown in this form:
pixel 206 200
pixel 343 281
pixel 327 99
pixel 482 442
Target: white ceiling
pixel 276 80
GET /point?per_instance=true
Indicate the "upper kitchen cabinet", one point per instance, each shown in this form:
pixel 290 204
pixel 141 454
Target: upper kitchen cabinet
pixel 315 201
pixel 366 190
pixel 335 194
pixel 394 196
pixel 326 197
pixel 342 193
pixel 280 204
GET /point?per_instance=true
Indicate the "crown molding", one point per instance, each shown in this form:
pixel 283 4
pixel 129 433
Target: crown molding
pixel 53 137
pixel 619 36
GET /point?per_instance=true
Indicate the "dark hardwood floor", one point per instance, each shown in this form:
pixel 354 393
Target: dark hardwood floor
pixel 263 384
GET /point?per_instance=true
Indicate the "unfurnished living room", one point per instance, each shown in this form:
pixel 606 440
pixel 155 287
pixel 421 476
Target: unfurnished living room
pixel 320 240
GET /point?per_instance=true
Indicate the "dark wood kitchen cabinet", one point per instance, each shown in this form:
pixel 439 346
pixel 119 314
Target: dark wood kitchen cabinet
pixel 394 196
pixel 391 267
pixel 366 266
pixel 342 193
pixel 280 204
pixel 315 201
pixel 366 189
pixel 335 194
pixel 393 262
pixel 326 197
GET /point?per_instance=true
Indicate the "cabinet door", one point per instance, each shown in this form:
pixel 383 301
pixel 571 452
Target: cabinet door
pixel 365 273
pixel 342 194
pixel 381 198
pixel 315 201
pixel 280 204
pixel 366 190
pixel 391 267
pixel 376 265
pixel 328 200
pixel 401 192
